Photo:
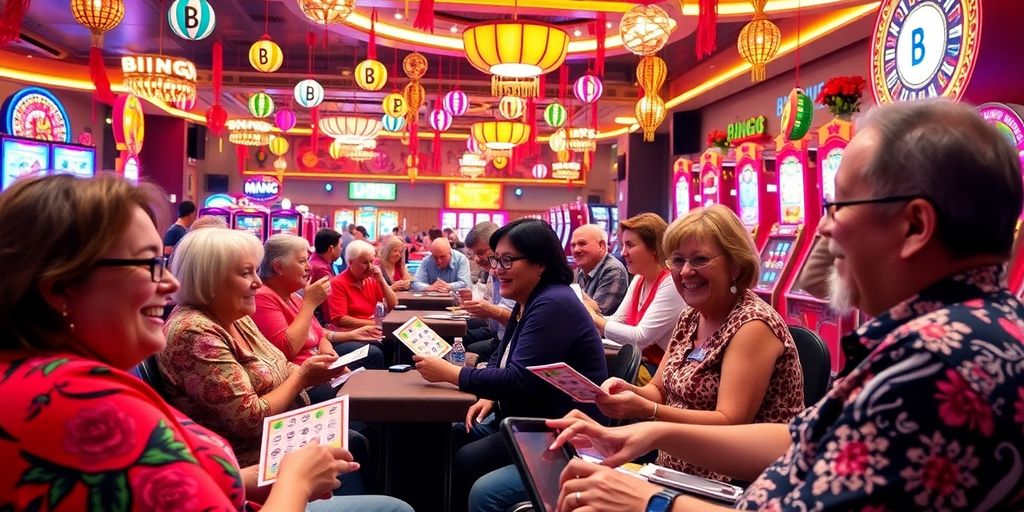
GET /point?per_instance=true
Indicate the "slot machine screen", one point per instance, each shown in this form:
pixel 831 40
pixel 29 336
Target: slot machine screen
pixel 599 215
pixel 773 259
pixel 74 160
pixel 749 212
pixel 21 157
pixel 829 166
pixel 286 225
pixel 252 223
pixel 682 197
pixel 791 190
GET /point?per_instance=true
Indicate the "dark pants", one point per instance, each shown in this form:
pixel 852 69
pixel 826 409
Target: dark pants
pixel 477 453
pixel 480 339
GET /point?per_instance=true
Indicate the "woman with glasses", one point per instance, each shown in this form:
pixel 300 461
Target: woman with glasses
pixel 651 305
pixel 548 325
pixel 83 308
pixel 731 359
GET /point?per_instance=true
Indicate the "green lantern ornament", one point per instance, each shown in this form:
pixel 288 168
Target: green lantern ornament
pixel 797 114
pixel 555 115
pixel 261 105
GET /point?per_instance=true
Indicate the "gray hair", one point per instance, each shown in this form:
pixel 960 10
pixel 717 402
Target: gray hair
pixel 481 231
pixel 203 258
pixel 278 247
pixel 357 248
pixel 945 152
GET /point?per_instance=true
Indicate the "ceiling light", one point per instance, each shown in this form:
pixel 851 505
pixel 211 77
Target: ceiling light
pixel 454 29
pixel 515 48
pixel 626 120
pixel 398 15
pixel 577 32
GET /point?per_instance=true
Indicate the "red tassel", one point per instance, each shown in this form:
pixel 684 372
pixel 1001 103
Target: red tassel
pixel 242 155
pixel 531 118
pixel 316 130
pixel 541 87
pixel 98 73
pixel 563 82
pixel 425 16
pixel 371 50
pixel 436 149
pixel 593 115
pixel 218 70
pixel 600 33
pixel 414 138
pixel 706 30
pixel 10 20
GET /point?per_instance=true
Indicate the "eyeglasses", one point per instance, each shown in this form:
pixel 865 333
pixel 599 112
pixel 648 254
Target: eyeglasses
pixel 829 208
pixel 695 262
pixel 156 265
pixel 505 261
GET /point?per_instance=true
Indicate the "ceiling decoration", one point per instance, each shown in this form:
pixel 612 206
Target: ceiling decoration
pixel 759 41
pixel 515 53
pixel 500 135
pixel 327 11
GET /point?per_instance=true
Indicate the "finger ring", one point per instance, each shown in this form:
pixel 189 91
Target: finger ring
pixel 577 495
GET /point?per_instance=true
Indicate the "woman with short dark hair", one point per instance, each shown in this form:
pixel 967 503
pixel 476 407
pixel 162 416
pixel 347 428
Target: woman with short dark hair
pixel 548 325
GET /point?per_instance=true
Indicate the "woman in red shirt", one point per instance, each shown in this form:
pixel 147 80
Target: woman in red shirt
pixel 356 291
pixel 83 307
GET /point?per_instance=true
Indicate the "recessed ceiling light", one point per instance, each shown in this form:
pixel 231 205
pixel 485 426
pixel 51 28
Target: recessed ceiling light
pixel 454 29
pixel 577 32
pixel 398 15
pixel 608 24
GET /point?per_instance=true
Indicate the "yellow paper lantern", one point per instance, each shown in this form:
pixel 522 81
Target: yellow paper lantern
pixel 327 11
pixel 558 141
pixel 415 65
pixel 414 97
pixel 394 105
pixel 371 75
pixel 650 73
pixel 500 135
pixel 515 48
pixel 278 146
pixel 645 29
pixel 511 107
pixel 650 112
pixel 759 41
pixel 266 56
pixel 335 150
pixel 98 16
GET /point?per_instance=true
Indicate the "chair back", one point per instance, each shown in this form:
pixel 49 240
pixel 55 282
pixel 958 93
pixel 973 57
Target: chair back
pixel 815 362
pixel 626 364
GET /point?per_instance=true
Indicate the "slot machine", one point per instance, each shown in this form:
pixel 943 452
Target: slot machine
pixel 575 216
pixel 799 211
pixel 288 222
pixel 253 219
pixel 716 183
pixel 801 307
pixel 366 217
pixel 343 218
pixel 386 221
pixel 223 213
pixel 683 189
pixel 613 231
pixel 1009 120
pixel 756 192
pixel 600 215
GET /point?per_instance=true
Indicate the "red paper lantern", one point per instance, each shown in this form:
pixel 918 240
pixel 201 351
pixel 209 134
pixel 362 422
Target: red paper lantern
pixel 216 119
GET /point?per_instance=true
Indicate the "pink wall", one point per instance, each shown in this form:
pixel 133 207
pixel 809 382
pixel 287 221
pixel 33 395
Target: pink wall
pixel 163 154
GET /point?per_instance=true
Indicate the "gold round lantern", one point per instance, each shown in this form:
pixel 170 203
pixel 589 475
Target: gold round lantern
pixel 650 112
pixel 415 65
pixel 557 141
pixel 500 135
pixel 650 73
pixel 266 56
pixel 645 29
pixel 371 75
pixel 327 11
pixel 278 146
pixel 759 41
pixel 98 16
pixel 414 97
pixel 394 105
pixel 511 107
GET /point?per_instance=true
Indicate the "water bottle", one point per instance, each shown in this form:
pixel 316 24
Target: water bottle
pixel 457 356
pixel 378 315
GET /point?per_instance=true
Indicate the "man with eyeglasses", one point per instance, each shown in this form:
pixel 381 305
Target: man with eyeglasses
pixel 928 412
pixel 599 274
pixel 492 311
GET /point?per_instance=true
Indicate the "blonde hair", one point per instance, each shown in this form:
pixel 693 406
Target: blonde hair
pixel 650 227
pixel 53 229
pixel 391 242
pixel 720 225
pixel 204 258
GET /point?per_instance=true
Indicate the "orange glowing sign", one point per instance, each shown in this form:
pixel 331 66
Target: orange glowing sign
pixel 129 124
pixel 473 196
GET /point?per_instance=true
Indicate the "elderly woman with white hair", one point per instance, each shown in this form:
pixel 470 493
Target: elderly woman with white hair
pixel 356 292
pixel 217 367
pixel 286 318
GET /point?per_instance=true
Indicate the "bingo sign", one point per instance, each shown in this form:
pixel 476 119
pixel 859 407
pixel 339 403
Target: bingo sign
pixel 262 189
pixel 1009 121
pixel 924 49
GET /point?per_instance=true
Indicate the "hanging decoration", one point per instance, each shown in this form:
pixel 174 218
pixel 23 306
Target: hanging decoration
pixel 539 171
pixel 645 29
pixel 192 20
pixel 558 141
pixel 759 41
pixel 511 107
pixel 216 119
pixel 280 165
pixel 650 73
pixel 650 109
pixel 555 115
pixel 440 120
pixel 474 147
pixel 500 135
pixel 412 166
pixel 797 114
pixel 581 139
pixel 99 16
pixel 216 116
pixel 11 15
pixel 261 105
pixel 278 146
pixel 249 132
pixel 392 124
pixel 371 75
pixel 335 150
pixel 309 93
pixel 425 16
pixel 327 11
pixel 564 168
pixel 707 17
pixel 158 78
pixel 588 88
pixel 351 129
pixel 472 165
pixel 394 105
pixel 456 102
pixel 515 53
pixel 499 162
pixel 285 119
pixel 415 66
pixel 265 55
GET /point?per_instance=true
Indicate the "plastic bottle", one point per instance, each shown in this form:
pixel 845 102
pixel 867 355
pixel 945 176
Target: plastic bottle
pixel 378 314
pixel 457 356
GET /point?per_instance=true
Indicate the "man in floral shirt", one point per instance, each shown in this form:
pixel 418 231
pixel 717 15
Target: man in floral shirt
pixel 928 413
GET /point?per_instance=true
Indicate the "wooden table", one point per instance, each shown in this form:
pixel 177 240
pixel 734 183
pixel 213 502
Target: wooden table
pixel 416 417
pixel 423 301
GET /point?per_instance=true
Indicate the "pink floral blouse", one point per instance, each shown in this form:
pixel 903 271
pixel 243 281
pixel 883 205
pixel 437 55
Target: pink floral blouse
pixel 219 381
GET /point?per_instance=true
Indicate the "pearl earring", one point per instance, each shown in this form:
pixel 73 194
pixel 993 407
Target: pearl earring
pixel 733 289
pixel 64 314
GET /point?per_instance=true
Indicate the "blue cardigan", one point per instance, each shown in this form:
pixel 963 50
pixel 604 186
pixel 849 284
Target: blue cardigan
pixel 555 327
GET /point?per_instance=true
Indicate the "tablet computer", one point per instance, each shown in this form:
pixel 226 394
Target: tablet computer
pixel 528 440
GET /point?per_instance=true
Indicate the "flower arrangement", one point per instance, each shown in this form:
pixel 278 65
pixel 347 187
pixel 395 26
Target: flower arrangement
pixel 718 139
pixel 841 94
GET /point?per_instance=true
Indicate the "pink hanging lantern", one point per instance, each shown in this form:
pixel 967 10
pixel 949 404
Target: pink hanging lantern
pixel 539 171
pixel 456 103
pixel 285 119
pixel 440 119
pixel 473 146
pixel 588 88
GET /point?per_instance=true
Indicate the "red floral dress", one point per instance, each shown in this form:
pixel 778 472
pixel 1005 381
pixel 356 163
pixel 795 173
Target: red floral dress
pixel 77 435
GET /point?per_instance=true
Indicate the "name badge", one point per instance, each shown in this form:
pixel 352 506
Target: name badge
pixel 697 354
